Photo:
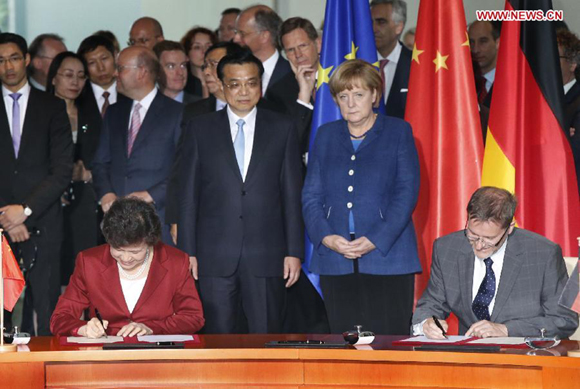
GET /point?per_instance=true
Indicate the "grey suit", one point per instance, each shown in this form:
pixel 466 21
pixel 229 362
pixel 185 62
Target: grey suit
pixel 531 283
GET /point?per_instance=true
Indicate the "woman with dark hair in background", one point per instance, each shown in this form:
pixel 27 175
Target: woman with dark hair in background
pixel 139 285
pixel 66 79
pixel 196 42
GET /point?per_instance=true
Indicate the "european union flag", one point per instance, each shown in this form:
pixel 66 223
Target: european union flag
pixel 348 34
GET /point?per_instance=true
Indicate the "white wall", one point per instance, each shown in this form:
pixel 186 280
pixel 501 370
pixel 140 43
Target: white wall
pixel 76 19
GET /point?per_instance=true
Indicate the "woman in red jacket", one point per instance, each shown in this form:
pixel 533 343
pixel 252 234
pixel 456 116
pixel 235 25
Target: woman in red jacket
pixel 139 285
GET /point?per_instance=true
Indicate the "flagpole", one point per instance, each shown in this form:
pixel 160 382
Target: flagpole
pixel 3 347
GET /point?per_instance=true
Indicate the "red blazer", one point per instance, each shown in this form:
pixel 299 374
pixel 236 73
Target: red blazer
pixel 169 303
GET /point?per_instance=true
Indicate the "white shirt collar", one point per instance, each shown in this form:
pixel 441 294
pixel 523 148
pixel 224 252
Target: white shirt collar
pixel 24 91
pixel 489 79
pixel 269 66
pixel 147 100
pixel 179 97
pixel 37 84
pixel 394 55
pixel 569 86
pixel 249 118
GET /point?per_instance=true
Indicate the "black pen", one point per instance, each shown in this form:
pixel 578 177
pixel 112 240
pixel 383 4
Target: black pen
pixel 440 326
pixel 103 324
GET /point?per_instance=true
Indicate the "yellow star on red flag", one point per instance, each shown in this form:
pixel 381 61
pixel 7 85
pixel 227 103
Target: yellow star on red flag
pixel 416 53
pixel 466 43
pixel 439 61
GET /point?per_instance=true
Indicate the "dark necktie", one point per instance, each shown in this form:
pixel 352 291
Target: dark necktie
pixel 16 130
pixel 485 293
pixel 106 103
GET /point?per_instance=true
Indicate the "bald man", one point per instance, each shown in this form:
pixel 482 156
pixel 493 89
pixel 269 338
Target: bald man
pixel 145 32
pixel 139 136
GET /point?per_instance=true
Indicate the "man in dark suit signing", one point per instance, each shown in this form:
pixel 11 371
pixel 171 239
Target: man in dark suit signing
pixel 36 159
pixel 139 136
pixel 240 219
pixel 497 279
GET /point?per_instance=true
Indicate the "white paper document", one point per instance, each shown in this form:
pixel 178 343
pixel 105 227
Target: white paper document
pixel 164 338
pixel 499 340
pixel 424 339
pixel 85 340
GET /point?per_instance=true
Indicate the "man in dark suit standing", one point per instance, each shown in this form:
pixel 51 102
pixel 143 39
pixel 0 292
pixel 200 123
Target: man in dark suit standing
pixel 389 17
pixel 257 28
pixel 173 77
pixel 36 159
pixel 139 136
pixel 240 219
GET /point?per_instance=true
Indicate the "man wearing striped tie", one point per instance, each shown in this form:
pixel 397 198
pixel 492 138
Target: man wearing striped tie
pixel 139 137
pixel 497 279
pixel 240 212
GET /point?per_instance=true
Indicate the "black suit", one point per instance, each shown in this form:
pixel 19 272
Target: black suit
pixel 149 165
pixel 397 99
pixel 281 93
pixel 239 228
pixel 572 99
pixel 38 178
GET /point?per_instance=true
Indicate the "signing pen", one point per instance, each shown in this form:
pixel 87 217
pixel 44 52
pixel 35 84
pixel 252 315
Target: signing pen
pixel 101 320
pixel 440 326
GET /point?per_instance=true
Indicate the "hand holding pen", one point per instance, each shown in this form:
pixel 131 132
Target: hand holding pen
pixel 434 328
pixel 95 328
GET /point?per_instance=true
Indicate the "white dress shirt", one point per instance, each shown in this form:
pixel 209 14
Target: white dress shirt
pixel 98 92
pixel 219 104
pixel 36 84
pixel 132 290
pixel 145 104
pixel 249 131
pixel 489 79
pixel 269 66
pixel 22 102
pixel 569 85
pixel 390 68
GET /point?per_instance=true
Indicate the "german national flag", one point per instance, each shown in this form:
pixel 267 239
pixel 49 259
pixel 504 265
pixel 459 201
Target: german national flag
pixel 526 149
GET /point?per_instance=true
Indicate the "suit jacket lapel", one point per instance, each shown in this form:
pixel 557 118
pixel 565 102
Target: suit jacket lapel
pixel 148 122
pixel 344 138
pixel 512 263
pixel 110 281
pixel 224 134
pixel 5 134
pixel 465 269
pixel 261 140
pixel 377 128
pixel 156 274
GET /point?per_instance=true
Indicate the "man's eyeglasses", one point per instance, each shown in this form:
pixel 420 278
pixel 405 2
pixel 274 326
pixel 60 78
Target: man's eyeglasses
pixel 13 60
pixel 485 242
pixel 244 34
pixel 69 76
pixel 235 86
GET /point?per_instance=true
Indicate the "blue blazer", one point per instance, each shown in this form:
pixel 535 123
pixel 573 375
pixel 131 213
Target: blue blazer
pixel 152 156
pixel 380 180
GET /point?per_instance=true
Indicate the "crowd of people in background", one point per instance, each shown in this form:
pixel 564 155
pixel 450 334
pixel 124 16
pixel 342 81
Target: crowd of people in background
pixel 212 132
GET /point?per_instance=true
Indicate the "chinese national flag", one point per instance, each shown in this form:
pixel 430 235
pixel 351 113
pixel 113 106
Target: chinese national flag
pixel 13 280
pixel 526 151
pixel 442 109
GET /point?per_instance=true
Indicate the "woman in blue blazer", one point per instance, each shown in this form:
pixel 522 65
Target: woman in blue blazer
pixel 358 198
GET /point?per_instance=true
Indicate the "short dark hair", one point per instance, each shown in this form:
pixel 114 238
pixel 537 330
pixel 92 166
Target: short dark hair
pixel 36 47
pixel 8 37
pixel 55 65
pixel 239 58
pixel 131 221
pixel 187 40
pixel 110 36
pixel 231 48
pixel 92 42
pixel 489 203
pixel 495 27
pixel 231 11
pixel 268 20
pixel 292 24
pixel 166 45
pixel 399 13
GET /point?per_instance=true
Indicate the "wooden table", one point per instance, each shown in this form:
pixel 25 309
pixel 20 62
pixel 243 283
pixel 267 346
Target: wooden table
pixel 241 361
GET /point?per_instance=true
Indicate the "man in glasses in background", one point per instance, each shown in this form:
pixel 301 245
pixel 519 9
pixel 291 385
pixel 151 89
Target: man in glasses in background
pixel 42 51
pixel 497 279
pixel 145 32
pixel 36 161
pixel 239 195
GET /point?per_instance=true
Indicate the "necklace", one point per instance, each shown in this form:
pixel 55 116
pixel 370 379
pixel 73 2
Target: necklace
pixel 364 133
pixel 138 274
